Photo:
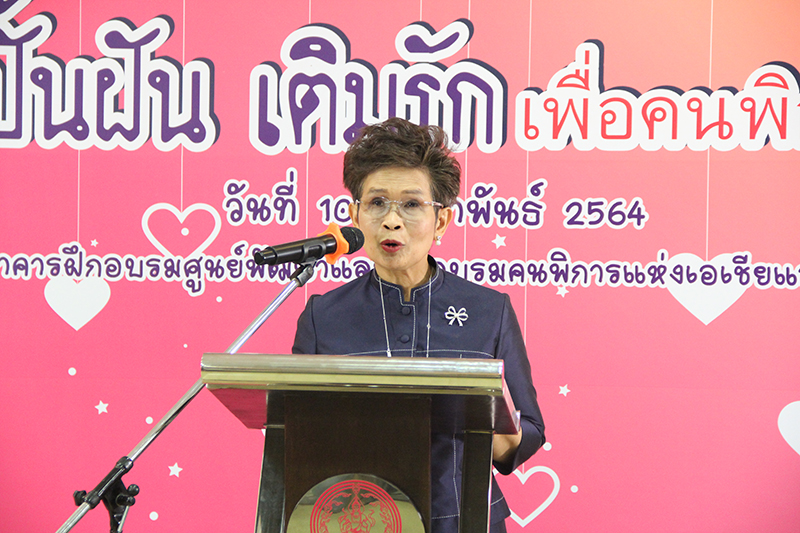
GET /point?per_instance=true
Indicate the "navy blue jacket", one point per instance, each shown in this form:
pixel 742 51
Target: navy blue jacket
pixel 467 321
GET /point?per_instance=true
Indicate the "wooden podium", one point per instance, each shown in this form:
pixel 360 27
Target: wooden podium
pixel 330 415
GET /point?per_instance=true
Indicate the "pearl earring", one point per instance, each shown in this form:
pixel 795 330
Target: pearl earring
pixel 438 240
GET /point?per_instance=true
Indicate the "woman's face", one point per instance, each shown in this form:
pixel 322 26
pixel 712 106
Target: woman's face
pixel 396 244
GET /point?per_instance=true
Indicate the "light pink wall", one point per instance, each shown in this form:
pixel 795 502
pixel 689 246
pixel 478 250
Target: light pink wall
pixel 661 399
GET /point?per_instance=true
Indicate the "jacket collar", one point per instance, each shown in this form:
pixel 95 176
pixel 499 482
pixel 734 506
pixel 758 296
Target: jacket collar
pixel 435 282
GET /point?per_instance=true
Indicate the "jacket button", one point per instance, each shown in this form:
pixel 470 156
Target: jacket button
pixel 405 338
pixel 406 310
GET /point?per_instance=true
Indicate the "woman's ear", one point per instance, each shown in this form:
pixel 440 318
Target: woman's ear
pixel 352 210
pixel 443 220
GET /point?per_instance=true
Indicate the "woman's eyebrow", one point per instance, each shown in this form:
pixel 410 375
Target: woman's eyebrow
pixel 374 190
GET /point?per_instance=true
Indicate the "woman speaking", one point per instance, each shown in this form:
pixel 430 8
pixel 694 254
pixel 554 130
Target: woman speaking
pixel 404 180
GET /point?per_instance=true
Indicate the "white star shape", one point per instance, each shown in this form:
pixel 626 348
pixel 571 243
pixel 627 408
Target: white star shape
pixel 175 470
pixel 94 242
pixel 564 390
pixel 562 291
pixel 499 241
pixel 101 407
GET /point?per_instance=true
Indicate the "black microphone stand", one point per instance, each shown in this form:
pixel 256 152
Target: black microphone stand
pixel 118 498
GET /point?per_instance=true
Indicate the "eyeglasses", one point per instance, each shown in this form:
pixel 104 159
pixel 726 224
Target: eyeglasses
pixel 409 210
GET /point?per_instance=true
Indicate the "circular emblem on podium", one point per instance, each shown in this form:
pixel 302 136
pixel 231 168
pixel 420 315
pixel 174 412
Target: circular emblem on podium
pixel 355 503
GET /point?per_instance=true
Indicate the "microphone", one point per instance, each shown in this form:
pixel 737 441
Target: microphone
pixel 332 243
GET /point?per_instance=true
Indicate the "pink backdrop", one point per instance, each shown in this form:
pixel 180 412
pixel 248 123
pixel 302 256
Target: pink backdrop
pixel 638 203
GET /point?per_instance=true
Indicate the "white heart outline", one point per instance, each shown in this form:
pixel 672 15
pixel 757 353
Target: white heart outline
pixel 706 303
pixel 523 477
pixel 422 31
pixel 181 216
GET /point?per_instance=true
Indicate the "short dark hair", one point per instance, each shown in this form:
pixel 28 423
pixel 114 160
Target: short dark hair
pixel 400 143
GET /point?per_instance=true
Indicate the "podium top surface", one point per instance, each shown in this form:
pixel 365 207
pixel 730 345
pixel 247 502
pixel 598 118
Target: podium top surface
pixel 336 373
pixel 476 385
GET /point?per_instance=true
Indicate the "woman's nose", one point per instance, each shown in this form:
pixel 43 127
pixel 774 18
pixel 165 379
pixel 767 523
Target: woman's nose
pixel 392 219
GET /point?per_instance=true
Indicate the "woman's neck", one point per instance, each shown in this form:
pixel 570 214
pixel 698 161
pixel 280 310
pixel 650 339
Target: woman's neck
pixel 407 280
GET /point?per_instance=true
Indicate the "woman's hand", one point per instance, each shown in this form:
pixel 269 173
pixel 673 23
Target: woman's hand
pixel 504 446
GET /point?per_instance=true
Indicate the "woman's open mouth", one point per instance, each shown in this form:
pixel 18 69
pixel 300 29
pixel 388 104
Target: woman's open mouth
pixel 390 246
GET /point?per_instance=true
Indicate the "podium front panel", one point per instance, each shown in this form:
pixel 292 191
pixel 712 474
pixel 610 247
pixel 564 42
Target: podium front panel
pixel 329 435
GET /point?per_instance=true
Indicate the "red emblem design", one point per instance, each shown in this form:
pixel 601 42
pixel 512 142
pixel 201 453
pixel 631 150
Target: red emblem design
pixel 361 507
